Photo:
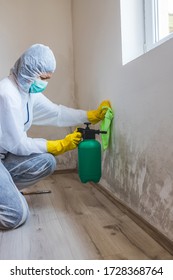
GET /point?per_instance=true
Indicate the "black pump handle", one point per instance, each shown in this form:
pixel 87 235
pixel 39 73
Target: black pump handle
pixel 87 124
pixel 96 131
pixel 88 133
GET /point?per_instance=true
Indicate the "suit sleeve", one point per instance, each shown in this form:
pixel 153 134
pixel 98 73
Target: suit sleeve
pixel 46 112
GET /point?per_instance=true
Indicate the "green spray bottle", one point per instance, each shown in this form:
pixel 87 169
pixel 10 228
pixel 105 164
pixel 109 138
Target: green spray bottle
pixel 89 155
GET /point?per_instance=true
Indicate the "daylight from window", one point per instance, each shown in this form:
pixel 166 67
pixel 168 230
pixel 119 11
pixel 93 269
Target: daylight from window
pixel 165 18
pixel 170 13
pixel 145 24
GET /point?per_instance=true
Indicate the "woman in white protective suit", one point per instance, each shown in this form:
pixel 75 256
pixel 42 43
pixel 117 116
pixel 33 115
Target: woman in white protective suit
pixel 25 160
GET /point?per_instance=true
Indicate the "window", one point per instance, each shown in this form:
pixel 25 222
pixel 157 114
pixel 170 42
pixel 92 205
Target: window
pixel 158 22
pixel 144 25
pixel 165 18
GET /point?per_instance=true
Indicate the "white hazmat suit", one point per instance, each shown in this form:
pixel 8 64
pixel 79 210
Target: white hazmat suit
pixel 24 160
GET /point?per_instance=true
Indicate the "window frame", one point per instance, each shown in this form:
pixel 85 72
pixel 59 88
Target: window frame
pixel 151 25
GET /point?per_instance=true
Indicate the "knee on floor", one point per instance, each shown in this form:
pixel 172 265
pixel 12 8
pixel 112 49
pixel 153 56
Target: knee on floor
pixel 12 218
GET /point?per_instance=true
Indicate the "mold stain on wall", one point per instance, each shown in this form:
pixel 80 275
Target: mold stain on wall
pixel 139 177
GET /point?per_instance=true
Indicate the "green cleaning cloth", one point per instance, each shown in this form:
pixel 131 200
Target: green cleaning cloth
pixel 106 125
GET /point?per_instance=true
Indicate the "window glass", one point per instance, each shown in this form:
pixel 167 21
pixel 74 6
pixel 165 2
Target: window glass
pixel 165 18
pixel 170 13
pixel 145 24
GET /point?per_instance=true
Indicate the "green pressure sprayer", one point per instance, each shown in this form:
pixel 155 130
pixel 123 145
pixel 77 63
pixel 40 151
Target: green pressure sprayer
pixel 89 155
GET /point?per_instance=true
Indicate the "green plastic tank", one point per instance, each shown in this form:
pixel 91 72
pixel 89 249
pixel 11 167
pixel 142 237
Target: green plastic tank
pixel 89 155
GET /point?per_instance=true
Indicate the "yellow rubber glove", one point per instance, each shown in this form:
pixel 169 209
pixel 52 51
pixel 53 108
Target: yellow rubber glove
pixel 97 115
pixel 70 142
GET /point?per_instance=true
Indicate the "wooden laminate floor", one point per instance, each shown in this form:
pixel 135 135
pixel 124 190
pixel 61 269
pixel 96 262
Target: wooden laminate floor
pixel 76 221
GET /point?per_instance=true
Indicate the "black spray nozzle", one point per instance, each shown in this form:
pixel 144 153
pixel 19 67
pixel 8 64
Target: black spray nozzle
pixel 88 133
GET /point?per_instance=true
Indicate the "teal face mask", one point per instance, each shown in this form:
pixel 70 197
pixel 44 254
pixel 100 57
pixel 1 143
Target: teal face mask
pixel 38 86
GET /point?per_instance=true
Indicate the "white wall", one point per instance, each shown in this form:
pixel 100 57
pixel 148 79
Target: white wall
pixel 138 166
pixel 23 23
